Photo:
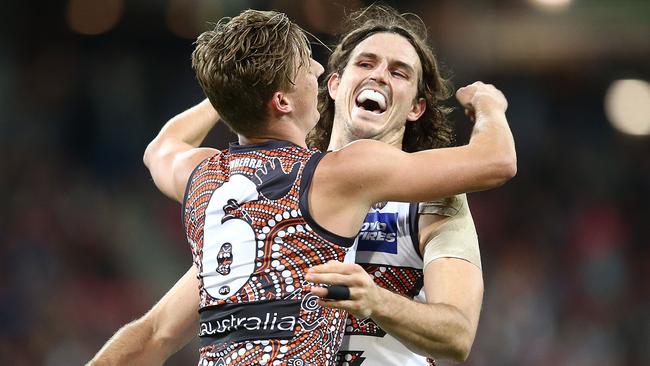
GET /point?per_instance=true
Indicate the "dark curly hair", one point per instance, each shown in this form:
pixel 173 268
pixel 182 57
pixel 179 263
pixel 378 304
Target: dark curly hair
pixel 432 129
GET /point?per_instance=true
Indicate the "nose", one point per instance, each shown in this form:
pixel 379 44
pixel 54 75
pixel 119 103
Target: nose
pixel 317 68
pixel 379 73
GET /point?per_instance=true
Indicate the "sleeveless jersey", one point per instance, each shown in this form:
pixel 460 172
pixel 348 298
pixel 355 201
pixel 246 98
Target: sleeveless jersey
pixel 388 249
pixel 247 221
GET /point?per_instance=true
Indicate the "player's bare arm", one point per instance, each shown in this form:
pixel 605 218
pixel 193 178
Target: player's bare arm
pixel 444 327
pixel 435 329
pixel 372 171
pixel 449 245
pixel 167 327
pixel 174 153
pixel 161 332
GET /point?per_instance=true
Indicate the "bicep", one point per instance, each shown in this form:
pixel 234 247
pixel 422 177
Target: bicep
pixel 430 174
pixel 447 230
pixel 384 173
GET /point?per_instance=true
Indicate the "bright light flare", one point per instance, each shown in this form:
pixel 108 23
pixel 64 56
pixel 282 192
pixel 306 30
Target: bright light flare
pixel 552 5
pixel 627 106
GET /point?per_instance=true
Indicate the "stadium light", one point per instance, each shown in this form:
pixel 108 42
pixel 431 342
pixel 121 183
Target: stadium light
pixel 187 22
pixel 552 5
pixel 627 106
pixel 93 17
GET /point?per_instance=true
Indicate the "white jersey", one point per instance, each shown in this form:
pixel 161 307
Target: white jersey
pixel 388 249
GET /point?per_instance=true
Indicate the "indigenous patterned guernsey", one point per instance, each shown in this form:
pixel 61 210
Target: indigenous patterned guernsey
pixel 247 220
pixel 388 249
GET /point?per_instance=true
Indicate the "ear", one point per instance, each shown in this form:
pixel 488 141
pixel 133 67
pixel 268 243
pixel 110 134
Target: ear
pixel 417 110
pixel 280 104
pixel 333 85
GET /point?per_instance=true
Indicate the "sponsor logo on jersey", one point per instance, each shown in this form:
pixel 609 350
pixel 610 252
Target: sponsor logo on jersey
pixel 379 233
pixel 266 319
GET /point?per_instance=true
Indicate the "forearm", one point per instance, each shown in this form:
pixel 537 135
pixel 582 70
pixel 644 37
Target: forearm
pixel 494 145
pixel 439 331
pixel 133 344
pixel 491 142
pixel 184 131
pixel 161 332
pixel 192 125
pixel 444 328
pixel 173 154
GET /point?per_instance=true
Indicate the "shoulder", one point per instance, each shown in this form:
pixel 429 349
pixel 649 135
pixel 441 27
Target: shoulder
pixel 189 160
pixel 186 164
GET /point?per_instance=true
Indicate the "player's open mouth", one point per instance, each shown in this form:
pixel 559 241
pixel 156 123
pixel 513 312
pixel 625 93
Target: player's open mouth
pixel 371 100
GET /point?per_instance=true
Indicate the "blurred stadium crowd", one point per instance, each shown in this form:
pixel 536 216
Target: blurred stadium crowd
pixel 87 243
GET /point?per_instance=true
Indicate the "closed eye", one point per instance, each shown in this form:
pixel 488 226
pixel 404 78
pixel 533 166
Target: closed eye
pixel 400 75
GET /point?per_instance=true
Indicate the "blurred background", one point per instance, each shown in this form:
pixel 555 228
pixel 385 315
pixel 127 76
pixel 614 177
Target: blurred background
pixel 88 244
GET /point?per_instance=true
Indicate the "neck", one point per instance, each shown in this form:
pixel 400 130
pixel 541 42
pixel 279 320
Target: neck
pixel 252 140
pixel 342 135
pixel 278 130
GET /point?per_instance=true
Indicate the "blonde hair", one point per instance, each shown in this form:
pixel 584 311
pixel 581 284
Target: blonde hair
pixel 244 60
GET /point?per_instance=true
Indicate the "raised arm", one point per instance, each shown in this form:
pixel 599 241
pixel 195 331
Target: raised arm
pixel 174 153
pixel 161 332
pixel 488 161
pixel 371 171
pixel 491 143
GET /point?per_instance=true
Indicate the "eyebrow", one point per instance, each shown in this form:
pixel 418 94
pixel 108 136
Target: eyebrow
pixel 398 63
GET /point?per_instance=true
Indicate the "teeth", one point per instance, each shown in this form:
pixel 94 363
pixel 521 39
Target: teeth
pixel 369 94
